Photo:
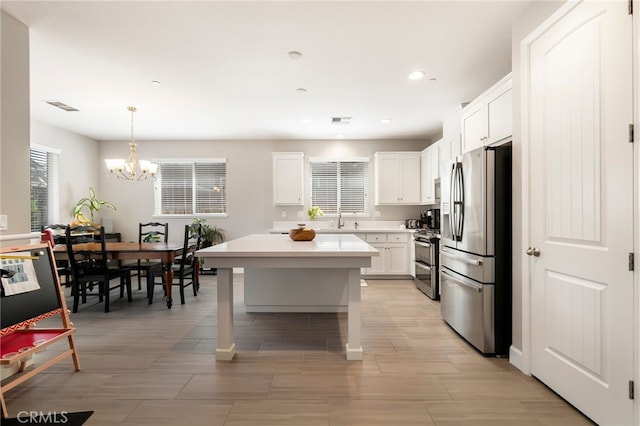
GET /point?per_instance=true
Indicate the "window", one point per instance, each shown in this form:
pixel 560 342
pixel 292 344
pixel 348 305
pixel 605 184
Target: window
pixel 45 206
pixel 340 184
pixel 191 187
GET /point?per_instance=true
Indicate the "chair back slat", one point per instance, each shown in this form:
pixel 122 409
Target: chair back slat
pixel 153 232
pixel 85 262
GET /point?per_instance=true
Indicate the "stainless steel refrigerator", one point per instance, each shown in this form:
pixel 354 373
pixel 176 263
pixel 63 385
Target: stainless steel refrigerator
pixel 475 248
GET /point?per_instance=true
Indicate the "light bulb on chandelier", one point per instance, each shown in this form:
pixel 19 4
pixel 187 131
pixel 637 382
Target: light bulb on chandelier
pixel 132 168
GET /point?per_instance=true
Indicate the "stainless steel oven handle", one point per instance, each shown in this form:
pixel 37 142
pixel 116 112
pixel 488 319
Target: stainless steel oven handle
pixel 462 281
pixel 421 244
pixel 422 265
pixel 460 258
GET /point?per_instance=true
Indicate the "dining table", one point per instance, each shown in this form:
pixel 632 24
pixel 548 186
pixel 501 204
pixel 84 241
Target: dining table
pixel 165 252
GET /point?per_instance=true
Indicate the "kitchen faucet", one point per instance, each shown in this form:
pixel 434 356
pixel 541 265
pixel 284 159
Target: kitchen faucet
pixel 340 222
pixel 355 220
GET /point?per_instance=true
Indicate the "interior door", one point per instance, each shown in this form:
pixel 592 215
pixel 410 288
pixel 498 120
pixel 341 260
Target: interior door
pixel 581 226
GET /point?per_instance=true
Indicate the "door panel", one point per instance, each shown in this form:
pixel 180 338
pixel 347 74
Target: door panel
pixel 581 209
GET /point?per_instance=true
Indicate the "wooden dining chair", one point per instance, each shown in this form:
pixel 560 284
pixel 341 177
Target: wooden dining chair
pixel 91 267
pixel 151 232
pixel 54 234
pixel 185 268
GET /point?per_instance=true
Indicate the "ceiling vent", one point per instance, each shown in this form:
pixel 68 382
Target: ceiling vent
pixel 62 106
pixel 340 120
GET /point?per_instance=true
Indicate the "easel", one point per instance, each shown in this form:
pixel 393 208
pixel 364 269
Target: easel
pixel 19 340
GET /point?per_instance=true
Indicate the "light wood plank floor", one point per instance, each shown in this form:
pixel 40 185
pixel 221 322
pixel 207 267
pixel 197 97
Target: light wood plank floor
pixel 146 364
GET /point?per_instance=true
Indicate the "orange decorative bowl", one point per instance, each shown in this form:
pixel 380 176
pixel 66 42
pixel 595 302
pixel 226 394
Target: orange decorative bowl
pixel 302 234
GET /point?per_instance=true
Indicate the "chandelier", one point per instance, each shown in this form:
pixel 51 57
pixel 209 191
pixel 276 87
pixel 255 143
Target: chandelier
pixel 132 168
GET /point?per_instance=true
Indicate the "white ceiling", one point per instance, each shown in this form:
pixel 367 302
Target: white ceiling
pixel 225 74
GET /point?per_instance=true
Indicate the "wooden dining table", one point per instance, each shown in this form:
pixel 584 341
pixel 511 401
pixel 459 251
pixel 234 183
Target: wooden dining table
pixel 165 252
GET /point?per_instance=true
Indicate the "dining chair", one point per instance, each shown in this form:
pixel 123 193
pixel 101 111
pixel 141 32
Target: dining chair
pixel 185 268
pixel 151 232
pixel 54 234
pixel 90 266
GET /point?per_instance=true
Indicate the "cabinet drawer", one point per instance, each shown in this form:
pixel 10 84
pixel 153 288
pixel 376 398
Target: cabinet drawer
pixel 397 238
pixel 376 238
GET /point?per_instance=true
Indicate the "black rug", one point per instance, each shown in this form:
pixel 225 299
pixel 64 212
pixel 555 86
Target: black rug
pixel 49 419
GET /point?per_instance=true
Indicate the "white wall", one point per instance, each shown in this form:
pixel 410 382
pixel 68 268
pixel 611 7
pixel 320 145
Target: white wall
pixel 77 164
pixel 249 181
pixel 14 134
pixel 530 19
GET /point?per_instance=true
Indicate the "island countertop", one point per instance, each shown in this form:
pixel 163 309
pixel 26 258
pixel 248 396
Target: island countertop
pixel 279 245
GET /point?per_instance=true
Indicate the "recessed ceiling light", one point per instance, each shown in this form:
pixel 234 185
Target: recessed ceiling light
pixel 155 82
pixel 301 90
pixel 385 120
pixel 294 55
pixel 416 75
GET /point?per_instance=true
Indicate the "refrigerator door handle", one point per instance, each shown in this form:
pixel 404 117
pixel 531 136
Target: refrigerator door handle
pixel 452 206
pixel 461 199
pixel 462 281
pixel 460 258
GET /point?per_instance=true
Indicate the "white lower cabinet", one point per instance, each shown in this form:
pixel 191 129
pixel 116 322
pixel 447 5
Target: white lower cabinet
pixel 394 254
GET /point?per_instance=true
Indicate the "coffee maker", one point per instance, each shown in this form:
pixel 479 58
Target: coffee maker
pixel 431 218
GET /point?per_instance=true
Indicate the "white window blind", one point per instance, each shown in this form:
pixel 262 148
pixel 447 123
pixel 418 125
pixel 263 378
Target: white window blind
pixel 191 188
pixel 44 187
pixel 342 185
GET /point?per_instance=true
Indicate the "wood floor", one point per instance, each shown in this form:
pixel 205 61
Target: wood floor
pixel 147 365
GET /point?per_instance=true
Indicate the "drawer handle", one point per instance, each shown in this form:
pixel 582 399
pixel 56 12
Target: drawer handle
pixel 462 259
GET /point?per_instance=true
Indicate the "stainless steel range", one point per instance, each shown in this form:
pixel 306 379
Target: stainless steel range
pixel 426 261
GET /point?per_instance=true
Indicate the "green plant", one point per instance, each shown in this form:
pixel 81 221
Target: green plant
pixel 314 211
pixel 93 204
pixel 209 234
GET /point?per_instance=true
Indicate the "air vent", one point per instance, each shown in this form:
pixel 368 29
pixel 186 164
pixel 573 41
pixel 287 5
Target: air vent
pixel 340 120
pixel 62 106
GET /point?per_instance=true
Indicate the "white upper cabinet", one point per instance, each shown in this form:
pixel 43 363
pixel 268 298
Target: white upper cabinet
pixel 451 135
pixel 288 178
pixel 488 119
pixel 397 178
pixel 429 171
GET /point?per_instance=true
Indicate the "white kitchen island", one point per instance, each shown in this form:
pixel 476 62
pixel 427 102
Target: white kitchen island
pixel 341 254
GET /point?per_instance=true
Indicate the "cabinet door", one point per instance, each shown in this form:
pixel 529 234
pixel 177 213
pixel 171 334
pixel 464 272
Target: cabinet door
pixel 473 127
pixel 378 262
pixel 499 114
pixel 288 179
pixel 387 181
pixel 410 182
pixel 430 165
pixel 425 186
pixel 397 259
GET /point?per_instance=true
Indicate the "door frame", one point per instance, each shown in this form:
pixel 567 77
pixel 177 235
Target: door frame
pixel 521 357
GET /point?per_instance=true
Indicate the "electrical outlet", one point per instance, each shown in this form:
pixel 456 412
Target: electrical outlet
pixel 4 222
pixel 377 213
pixel 284 213
pixel 299 214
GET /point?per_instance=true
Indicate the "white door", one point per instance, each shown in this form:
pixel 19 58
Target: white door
pixel 580 106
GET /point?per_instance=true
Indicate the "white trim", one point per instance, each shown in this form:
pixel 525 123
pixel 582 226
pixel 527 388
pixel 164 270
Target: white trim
pixel 339 159
pixel 188 160
pixel 516 358
pixel 45 148
pixel 636 191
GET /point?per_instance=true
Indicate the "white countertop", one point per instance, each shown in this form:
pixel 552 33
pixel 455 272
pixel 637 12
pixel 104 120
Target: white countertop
pixel 278 245
pixel 350 230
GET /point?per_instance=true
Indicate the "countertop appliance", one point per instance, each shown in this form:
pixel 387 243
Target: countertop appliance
pixel 475 248
pixel 426 263
pixel 412 223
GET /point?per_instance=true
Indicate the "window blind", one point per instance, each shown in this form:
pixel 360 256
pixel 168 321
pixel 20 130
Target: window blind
pixel 340 185
pixel 189 188
pixel 44 188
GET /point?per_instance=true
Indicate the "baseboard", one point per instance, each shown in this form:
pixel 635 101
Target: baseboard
pixel 515 358
pixel 296 308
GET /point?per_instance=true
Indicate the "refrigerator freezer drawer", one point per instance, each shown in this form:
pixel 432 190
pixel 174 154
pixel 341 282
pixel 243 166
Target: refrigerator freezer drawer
pixel 479 268
pixel 468 307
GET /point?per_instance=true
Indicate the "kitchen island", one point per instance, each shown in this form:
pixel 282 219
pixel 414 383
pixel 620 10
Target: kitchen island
pixel 342 255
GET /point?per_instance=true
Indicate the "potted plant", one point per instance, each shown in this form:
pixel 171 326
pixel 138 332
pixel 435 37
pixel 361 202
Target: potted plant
pixel 209 236
pixel 93 204
pixel 314 211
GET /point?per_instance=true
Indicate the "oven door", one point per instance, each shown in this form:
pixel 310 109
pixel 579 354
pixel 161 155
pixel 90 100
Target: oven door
pixel 424 252
pixel 426 279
